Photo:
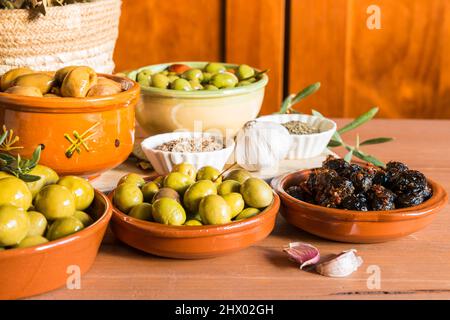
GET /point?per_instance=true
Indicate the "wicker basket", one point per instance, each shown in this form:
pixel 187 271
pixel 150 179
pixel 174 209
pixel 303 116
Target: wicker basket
pixel 76 34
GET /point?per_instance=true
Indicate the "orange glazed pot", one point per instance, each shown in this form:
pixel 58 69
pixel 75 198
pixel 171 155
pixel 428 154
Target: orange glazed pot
pixel 31 271
pixel 79 136
pixel 355 226
pixel 189 242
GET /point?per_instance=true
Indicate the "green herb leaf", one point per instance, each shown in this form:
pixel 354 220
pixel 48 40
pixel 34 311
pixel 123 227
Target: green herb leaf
pixel 376 141
pixel 369 158
pixel 286 103
pixel 3 137
pixel 36 156
pixel 316 113
pixel 348 156
pixel 29 178
pixel 309 90
pixel 333 143
pixel 6 157
pixel 359 120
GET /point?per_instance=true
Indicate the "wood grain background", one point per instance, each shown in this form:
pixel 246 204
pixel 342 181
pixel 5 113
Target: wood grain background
pixel 404 68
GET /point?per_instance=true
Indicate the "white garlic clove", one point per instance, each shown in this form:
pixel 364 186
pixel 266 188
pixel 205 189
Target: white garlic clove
pixel 340 266
pixel 303 253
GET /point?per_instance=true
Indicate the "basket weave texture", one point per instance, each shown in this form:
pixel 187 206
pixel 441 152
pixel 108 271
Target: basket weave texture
pixel 75 34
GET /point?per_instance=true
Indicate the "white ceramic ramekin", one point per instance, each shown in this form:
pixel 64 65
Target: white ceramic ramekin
pixel 306 145
pixel 163 161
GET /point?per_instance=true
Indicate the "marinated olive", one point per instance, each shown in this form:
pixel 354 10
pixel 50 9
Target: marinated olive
pixel 81 190
pixel 256 193
pixel 243 83
pixel 181 84
pixel 42 81
pixel 160 80
pixel 62 73
pixel 193 223
pixel 196 192
pixel 55 201
pixel 85 219
pixel 102 90
pixel 193 74
pixel 168 211
pixel 166 193
pixel 215 67
pixel 159 181
pixel 244 71
pixel 15 192
pixel 78 81
pixel 142 211
pixel 178 181
pixel 64 227
pixel 247 213
pixel 14 225
pixel 31 241
pixel 210 87
pixel 186 168
pixel 228 186
pixel 144 78
pixel 195 85
pixel 127 196
pixel 206 77
pixel 213 209
pixel 109 82
pixel 209 173
pixel 224 80
pixel 24 91
pixel 38 224
pixel 149 190
pixel 239 175
pixel 132 178
pixel 235 202
pixel 47 176
pixel 8 78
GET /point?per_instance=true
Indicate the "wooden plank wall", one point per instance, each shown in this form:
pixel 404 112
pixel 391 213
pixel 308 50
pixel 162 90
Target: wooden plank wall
pixel 404 68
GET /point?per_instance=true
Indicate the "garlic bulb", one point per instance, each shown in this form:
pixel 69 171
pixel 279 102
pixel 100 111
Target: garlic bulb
pixel 340 266
pixel 261 145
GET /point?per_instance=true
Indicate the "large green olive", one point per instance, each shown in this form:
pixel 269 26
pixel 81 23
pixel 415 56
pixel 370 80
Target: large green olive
pixel 257 193
pixel 132 178
pixel 196 192
pixel 142 211
pixel 64 227
pixel 48 176
pixel 228 186
pixel 62 73
pixel 214 209
pixel 24 91
pixel 102 81
pixel 247 213
pixel 78 81
pixel 43 81
pixel 160 81
pixel 55 201
pixel 81 190
pixel 186 168
pixel 38 224
pixel 244 71
pixel 85 219
pixel 14 225
pixel 168 211
pixel 144 78
pixel 8 78
pixel 210 87
pixel 159 181
pixel 239 175
pixel 193 223
pixel 127 196
pixel 178 181
pixel 100 90
pixel 215 67
pixel 224 80
pixel 149 190
pixel 236 203
pixel 15 192
pixel 31 241
pixel 181 84
pixel 166 193
pixel 195 85
pixel 193 74
pixel 209 173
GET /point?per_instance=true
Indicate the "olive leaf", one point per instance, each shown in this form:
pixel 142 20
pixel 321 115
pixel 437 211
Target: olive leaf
pixel 359 120
pixel 376 141
pixel 348 157
pixel 3 137
pixel 369 158
pixel 294 99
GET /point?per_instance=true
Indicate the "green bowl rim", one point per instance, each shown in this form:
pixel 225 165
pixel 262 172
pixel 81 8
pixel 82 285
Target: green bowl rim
pixel 196 94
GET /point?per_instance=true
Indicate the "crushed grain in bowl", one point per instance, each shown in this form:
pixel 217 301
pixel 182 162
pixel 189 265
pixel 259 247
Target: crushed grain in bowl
pixel 201 144
pixel 299 127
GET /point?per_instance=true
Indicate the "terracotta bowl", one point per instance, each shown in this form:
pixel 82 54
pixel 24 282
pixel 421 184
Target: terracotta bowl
pixel 35 270
pixel 200 242
pixel 222 111
pixel 107 123
pixel 355 226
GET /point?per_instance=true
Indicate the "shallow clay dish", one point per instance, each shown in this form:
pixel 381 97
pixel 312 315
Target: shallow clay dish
pixel 355 226
pixel 35 270
pixel 184 242
pixel 105 123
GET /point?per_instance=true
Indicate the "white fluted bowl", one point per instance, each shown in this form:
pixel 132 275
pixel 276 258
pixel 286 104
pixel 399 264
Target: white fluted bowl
pixel 306 145
pixel 164 161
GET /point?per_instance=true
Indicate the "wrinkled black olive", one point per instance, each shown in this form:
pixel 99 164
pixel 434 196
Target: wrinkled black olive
pixel 332 196
pixel 357 201
pixel 300 193
pixel 338 165
pixel 381 198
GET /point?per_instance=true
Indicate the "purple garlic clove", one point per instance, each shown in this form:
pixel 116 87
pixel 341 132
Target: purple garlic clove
pixel 302 253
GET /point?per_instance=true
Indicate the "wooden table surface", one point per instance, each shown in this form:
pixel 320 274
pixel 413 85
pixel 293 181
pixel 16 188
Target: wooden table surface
pixel 414 267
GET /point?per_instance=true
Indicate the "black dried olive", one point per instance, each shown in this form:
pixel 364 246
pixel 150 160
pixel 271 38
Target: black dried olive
pixel 381 198
pixel 338 165
pixel 357 201
pixel 332 196
pixel 409 181
pixel 300 193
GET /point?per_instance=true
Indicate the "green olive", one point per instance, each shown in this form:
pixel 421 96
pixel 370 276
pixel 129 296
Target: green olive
pixel 239 175
pixel 47 176
pixel 14 225
pixel 224 80
pixel 235 202
pixel 3 175
pixel 78 81
pixel 186 168
pixel 64 227
pixel 247 213
pixel 149 190
pixel 206 77
pixel 85 219
pixel 209 173
pixel 81 190
pixel 144 78
pixel 15 192
pixel 25 91
pixel 132 178
pixel 193 223
pixel 193 74
pixel 243 83
pixel 160 81
pixel 142 211
pixel 215 67
pixel 228 186
pixel 257 193
pixel 127 196
pixel 172 78
pixel 62 73
pixel 210 87
pixel 31 241
pixel 38 224
pixel 195 85
pixel 159 181
pixel 213 209
pixel 245 71
pixel 166 193
pixel 42 81
pixel 8 78
pixel 178 181
pixel 168 211
pixel 196 192
pixel 55 201
pixel 181 84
